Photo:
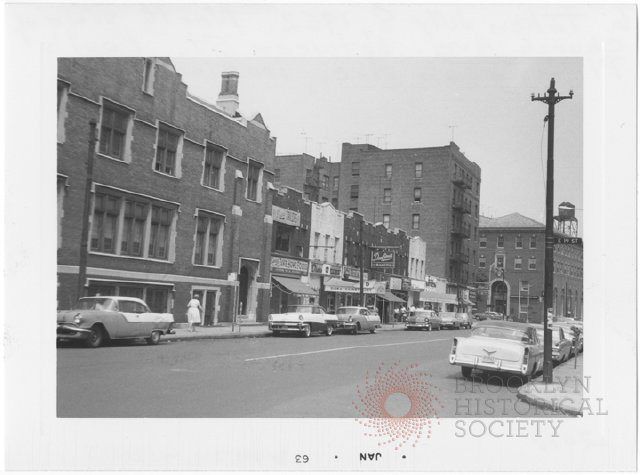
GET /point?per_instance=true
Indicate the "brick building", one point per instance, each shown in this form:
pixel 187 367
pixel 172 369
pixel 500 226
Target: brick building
pixel 290 250
pixel 317 178
pixel 511 263
pixel 431 192
pixel 180 192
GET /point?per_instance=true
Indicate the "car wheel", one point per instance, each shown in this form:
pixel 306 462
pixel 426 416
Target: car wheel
pixel 329 330
pixel 96 337
pixel 154 339
pixel 276 333
pixel 372 329
pixel 306 331
pixel 466 371
pixel 354 330
pixel 429 328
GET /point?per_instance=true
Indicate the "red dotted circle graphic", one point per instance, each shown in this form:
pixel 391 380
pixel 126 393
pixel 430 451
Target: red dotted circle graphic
pixel 397 382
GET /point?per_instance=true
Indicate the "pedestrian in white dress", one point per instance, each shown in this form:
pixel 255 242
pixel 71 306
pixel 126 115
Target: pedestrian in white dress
pixel 193 312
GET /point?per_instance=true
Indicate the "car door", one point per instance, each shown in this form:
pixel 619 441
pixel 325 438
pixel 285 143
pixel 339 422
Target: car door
pixel 363 318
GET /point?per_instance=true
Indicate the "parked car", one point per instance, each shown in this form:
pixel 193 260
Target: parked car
pixel 575 334
pixel 449 320
pixel 304 319
pixel 495 316
pixel 465 320
pixel 355 319
pixel 561 345
pixel 480 316
pixel 495 346
pixel 96 320
pixel 421 319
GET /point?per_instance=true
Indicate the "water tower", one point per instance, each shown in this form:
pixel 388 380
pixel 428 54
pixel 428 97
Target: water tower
pixel 566 222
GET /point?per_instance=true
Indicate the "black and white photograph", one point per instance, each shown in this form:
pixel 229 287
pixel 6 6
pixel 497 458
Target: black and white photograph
pixel 302 243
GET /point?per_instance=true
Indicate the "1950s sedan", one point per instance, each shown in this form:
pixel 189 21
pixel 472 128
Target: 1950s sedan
pixel 355 319
pixel 304 319
pixel 423 319
pixel 561 345
pixel 96 320
pixel 497 346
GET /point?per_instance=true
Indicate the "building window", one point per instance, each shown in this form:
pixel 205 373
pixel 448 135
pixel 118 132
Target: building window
pixel 355 168
pixel 517 263
pixel 476 209
pixel 113 131
pixel 500 262
pixel 167 151
pixel 518 242
pixel 161 219
pixel 135 218
pixel 500 242
pixel 213 167
pixel 62 182
pixel 387 195
pixel 283 238
pixel 524 286
pixel 418 169
pixel 208 247
pixel 415 221
pixel 532 242
pixel 386 219
pixel 254 181
pixel 104 229
pixel 336 182
pixel 388 170
pixel 355 191
pixel 63 94
pixel 482 261
pixel 149 75
pixel 417 195
pixel 276 175
pixel 483 240
pixel 325 182
pixel 532 263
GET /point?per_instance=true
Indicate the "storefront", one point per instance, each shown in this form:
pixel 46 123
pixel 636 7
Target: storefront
pixel 415 288
pixel 386 303
pixel 346 293
pixel 435 297
pixel 289 283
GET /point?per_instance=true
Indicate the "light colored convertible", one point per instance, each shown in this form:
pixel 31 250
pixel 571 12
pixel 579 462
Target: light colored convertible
pixel 96 320
pixel 355 319
pixel 304 319
pixel 497 346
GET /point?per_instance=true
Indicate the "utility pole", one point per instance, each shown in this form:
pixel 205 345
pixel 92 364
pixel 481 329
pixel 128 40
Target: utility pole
pixel 551 99
pixel 361 265
pixel 84 239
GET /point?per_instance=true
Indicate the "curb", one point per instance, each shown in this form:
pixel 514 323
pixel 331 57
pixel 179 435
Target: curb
pixel 225 336
pixel 544 404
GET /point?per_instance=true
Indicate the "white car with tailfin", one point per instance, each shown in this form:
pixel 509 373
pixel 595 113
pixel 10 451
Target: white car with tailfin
pixel 498 346
pixel 303 319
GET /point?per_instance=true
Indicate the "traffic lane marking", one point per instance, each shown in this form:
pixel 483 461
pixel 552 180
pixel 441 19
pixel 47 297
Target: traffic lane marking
pixel 342 348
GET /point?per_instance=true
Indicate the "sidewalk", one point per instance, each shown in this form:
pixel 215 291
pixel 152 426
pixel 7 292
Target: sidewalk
pixel 564 394
pixel 246 330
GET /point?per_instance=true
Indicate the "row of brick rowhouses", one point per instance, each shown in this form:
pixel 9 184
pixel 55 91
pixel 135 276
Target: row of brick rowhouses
pixel 179 200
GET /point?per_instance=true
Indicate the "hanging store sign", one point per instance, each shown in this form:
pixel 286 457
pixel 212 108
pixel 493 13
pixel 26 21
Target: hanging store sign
pixel 352 273
pixel 285 216
pixel 384 257
pixel 395 283
pixel 406 284
pixel 418 285
pixel 333 270
pixel 287 265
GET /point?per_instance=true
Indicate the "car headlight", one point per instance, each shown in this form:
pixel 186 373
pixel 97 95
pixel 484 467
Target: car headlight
pixel 426 320
pixel 77 319
pixel 300 318
pixel 350 319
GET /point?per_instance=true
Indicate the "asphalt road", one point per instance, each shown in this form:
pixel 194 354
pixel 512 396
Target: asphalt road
pixel 279 377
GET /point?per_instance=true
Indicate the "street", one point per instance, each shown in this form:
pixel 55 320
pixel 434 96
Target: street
pixel 272 377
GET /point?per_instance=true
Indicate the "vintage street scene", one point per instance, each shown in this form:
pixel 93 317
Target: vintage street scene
pixel 320 238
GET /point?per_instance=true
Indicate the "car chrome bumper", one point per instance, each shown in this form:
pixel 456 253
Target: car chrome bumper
pixel 71 332
pixel 418 324
pixel 497 366
pixel 287 326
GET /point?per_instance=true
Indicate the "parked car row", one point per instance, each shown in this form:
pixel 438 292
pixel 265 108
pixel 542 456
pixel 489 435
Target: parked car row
pixel 512 347
pixel 423 319
pixel 308 319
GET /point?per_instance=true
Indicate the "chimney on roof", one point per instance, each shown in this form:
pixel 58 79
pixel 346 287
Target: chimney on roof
pixel 228 97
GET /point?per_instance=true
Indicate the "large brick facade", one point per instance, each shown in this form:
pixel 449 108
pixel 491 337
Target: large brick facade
pixel 430 192
pixel 316 178
pixel 237 265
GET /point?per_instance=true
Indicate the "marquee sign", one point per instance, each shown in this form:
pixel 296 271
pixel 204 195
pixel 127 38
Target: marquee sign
pixel 383 257
pixel 287 265
pixel 285 216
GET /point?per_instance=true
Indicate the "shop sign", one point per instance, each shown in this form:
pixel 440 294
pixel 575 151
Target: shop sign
pixel 406 284
pixel 384 257
pixel 368 287
pixel 418 285
pixel 436 284
pixel 285 216
pixel 287 265
pixel 333 270
pixel 395 283
pixel 352 273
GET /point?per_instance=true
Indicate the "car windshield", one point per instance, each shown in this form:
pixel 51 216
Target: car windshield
pixel 345 310
pixel 420 314
pixel 97 303
pixel 300 308
pixel 499 332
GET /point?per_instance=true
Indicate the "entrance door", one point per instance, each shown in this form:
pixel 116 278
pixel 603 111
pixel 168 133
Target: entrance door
pixel 209 307
pixel 243 290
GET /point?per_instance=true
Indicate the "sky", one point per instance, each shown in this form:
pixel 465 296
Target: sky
pixel 313 105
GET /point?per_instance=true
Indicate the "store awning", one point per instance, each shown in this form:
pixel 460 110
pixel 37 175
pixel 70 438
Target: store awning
pixel 388 296
pixel 295 286
pixel 427 296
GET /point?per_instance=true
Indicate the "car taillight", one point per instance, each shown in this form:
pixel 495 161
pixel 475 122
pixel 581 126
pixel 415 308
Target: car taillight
pixel 525 361
pixel 270 318
pixel 455 345
pixel 300 318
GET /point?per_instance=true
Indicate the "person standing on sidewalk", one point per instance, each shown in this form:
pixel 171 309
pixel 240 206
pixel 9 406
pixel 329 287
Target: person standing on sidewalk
pixel 194 310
